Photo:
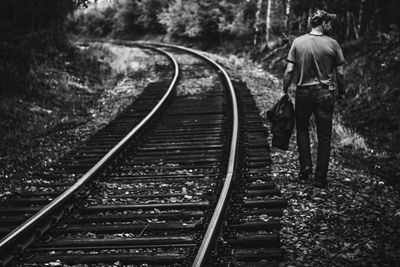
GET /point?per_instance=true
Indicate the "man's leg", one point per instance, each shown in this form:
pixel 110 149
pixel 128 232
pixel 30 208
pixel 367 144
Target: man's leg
pixel 323 119
pixel 303 113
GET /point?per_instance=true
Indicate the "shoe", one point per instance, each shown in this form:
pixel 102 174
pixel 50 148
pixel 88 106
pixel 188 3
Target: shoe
pixel 305 174
pixel 320 184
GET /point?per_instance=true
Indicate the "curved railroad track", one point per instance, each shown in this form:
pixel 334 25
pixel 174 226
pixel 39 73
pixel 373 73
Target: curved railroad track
pixel 180 178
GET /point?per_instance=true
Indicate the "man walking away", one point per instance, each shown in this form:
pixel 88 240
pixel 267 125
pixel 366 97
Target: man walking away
pixel 317 58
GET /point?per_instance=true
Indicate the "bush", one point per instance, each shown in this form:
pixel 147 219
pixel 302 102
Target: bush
pixel 149 11
pixel 181 19
pixel 93 22
pixel 237 19
pixel 28 29
pixel 374 93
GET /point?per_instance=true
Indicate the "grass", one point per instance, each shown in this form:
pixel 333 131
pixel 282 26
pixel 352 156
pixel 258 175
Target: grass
pixel 69 100
pixel 345 137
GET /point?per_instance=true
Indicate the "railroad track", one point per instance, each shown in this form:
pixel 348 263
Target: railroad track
pixel 189 185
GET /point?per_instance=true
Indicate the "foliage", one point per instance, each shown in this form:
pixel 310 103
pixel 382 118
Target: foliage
pixel 92 22
pixel 28 28
pixel 126 18
pixel 209 13
pixel 123 19
pixel 226 20
pixel 209 21
pixel 74 101
pixel 234 23
pixel 31 17
pixel 374 94
pixel 182 18
pixel 149 11
pixel 355 19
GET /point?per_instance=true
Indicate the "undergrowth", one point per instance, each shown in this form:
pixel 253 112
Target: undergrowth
pixel 70 97
pixel 59 94
pixel 374 94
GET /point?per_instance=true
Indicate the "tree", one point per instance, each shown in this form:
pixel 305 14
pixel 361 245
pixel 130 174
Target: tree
pixel 258 21
pixel 268 22
pixel 287 6
pixel 191 19
pixel 149 11
pixel 27 27
pixel 238 19
pixel 127 19
pixel 181 18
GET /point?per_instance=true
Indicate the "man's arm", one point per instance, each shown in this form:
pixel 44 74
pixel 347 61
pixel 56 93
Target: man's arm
pixel 340 79
pixel 288 76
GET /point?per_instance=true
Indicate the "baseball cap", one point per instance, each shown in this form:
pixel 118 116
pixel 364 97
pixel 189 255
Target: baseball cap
pixel 321 15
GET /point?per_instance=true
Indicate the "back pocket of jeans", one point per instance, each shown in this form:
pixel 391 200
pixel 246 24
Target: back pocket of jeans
pixel 326 99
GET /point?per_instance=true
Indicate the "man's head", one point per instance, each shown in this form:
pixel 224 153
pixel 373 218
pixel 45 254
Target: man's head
pixel 323 18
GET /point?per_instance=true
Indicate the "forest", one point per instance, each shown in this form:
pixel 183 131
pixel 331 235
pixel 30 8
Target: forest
pixel 54 94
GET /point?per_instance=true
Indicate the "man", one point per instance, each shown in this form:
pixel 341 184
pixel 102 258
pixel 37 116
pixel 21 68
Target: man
pixel 317 58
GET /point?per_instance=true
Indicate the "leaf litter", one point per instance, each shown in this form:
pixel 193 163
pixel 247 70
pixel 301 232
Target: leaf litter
pixel 354 222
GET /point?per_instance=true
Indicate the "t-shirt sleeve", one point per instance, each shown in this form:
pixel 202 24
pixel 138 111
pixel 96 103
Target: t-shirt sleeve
pixel 339 55
pixel 292 54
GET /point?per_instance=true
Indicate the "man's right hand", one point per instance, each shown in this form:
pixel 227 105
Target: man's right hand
pixel 287 77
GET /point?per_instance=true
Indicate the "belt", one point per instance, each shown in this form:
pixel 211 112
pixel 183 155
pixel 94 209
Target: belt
pixel 314 86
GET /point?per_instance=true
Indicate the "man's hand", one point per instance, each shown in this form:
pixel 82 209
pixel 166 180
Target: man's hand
pixel 287 77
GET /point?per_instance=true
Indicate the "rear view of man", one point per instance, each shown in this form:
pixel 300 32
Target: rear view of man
pixel 317 59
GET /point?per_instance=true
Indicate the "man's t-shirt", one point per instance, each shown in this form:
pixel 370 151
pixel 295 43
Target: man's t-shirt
pixel 315 57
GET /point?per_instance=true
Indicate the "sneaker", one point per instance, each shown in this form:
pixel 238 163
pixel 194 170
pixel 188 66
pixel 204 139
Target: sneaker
pixel 304 174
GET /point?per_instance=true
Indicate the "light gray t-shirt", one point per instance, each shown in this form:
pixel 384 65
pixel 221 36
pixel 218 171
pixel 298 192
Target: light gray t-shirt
pixel 315 57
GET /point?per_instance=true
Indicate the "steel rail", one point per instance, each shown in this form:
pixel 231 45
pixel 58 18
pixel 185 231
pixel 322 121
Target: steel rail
pixel 208 240
pixel 18 233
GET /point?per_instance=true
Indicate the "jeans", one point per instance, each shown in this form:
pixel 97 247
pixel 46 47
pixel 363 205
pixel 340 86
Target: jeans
pixel 317 100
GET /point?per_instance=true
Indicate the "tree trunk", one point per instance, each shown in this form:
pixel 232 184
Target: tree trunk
pixel 14 19
pixel 301 22
pixel 347 37
pixel 257 22
pixel 360 15
pixel 287 4
pixel 355 28
pixel 33 21
pixel 268 22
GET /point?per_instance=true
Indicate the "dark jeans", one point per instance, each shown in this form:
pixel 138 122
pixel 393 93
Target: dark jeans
pixel 317 100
